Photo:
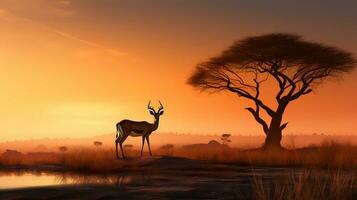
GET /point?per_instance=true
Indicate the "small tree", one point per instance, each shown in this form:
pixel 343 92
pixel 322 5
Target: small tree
pixel 63 149
pixel 295 65
pixel 97 144
pixel 225 139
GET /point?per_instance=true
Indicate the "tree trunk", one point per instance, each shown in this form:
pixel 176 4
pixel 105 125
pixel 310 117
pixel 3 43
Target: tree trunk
pixel 273 138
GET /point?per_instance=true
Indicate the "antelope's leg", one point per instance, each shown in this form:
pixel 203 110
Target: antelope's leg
pixel 121 145
pixel 116 147
pixel 147 140
pixel 142 145
pixel 121 149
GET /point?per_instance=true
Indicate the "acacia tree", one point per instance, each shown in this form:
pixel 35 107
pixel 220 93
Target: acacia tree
pixel 296 66
pixel 225 138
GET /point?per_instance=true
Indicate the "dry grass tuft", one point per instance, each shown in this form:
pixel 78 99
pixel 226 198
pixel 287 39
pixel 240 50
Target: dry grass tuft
pixel 89 159
pixel 307 185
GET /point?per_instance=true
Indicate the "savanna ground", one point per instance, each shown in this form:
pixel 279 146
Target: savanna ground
pixel 201 171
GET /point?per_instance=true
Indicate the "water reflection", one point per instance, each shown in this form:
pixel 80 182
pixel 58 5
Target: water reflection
pixel 21 179
pixel 118 179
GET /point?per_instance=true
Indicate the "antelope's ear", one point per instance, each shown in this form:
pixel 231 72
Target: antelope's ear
pixel 152 112
pixel 161 112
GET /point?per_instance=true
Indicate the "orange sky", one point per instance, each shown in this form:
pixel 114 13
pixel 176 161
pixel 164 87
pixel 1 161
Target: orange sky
pixel 73 68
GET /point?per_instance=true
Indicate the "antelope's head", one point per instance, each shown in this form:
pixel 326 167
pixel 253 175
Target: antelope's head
pixel 159 112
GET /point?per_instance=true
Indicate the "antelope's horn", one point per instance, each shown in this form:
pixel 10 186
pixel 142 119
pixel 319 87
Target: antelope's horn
pixel 161 107
pixel 149 107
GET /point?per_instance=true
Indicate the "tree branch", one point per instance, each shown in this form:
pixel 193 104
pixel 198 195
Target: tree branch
pixel 247 95
pixel 256 116
pixel 283 126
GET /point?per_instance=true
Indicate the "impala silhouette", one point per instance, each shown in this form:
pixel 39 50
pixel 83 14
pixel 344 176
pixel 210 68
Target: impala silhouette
pixel 142 129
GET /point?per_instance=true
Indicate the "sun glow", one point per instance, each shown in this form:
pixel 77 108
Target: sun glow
pixel 65 70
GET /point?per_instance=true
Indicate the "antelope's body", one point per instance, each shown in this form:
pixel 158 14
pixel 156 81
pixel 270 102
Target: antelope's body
pixel 142 129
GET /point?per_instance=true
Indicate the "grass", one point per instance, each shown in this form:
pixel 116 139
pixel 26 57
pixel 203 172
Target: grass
pixel 307 185
pixel 328 156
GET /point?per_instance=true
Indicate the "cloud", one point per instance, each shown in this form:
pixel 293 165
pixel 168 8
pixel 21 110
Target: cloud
pixel 90 43
pixel 5 15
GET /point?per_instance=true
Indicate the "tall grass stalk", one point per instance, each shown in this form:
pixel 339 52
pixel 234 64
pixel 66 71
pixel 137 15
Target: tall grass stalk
pixel 307 185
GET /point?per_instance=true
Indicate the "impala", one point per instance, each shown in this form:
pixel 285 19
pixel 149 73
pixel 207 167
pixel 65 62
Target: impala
pixel 142 129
